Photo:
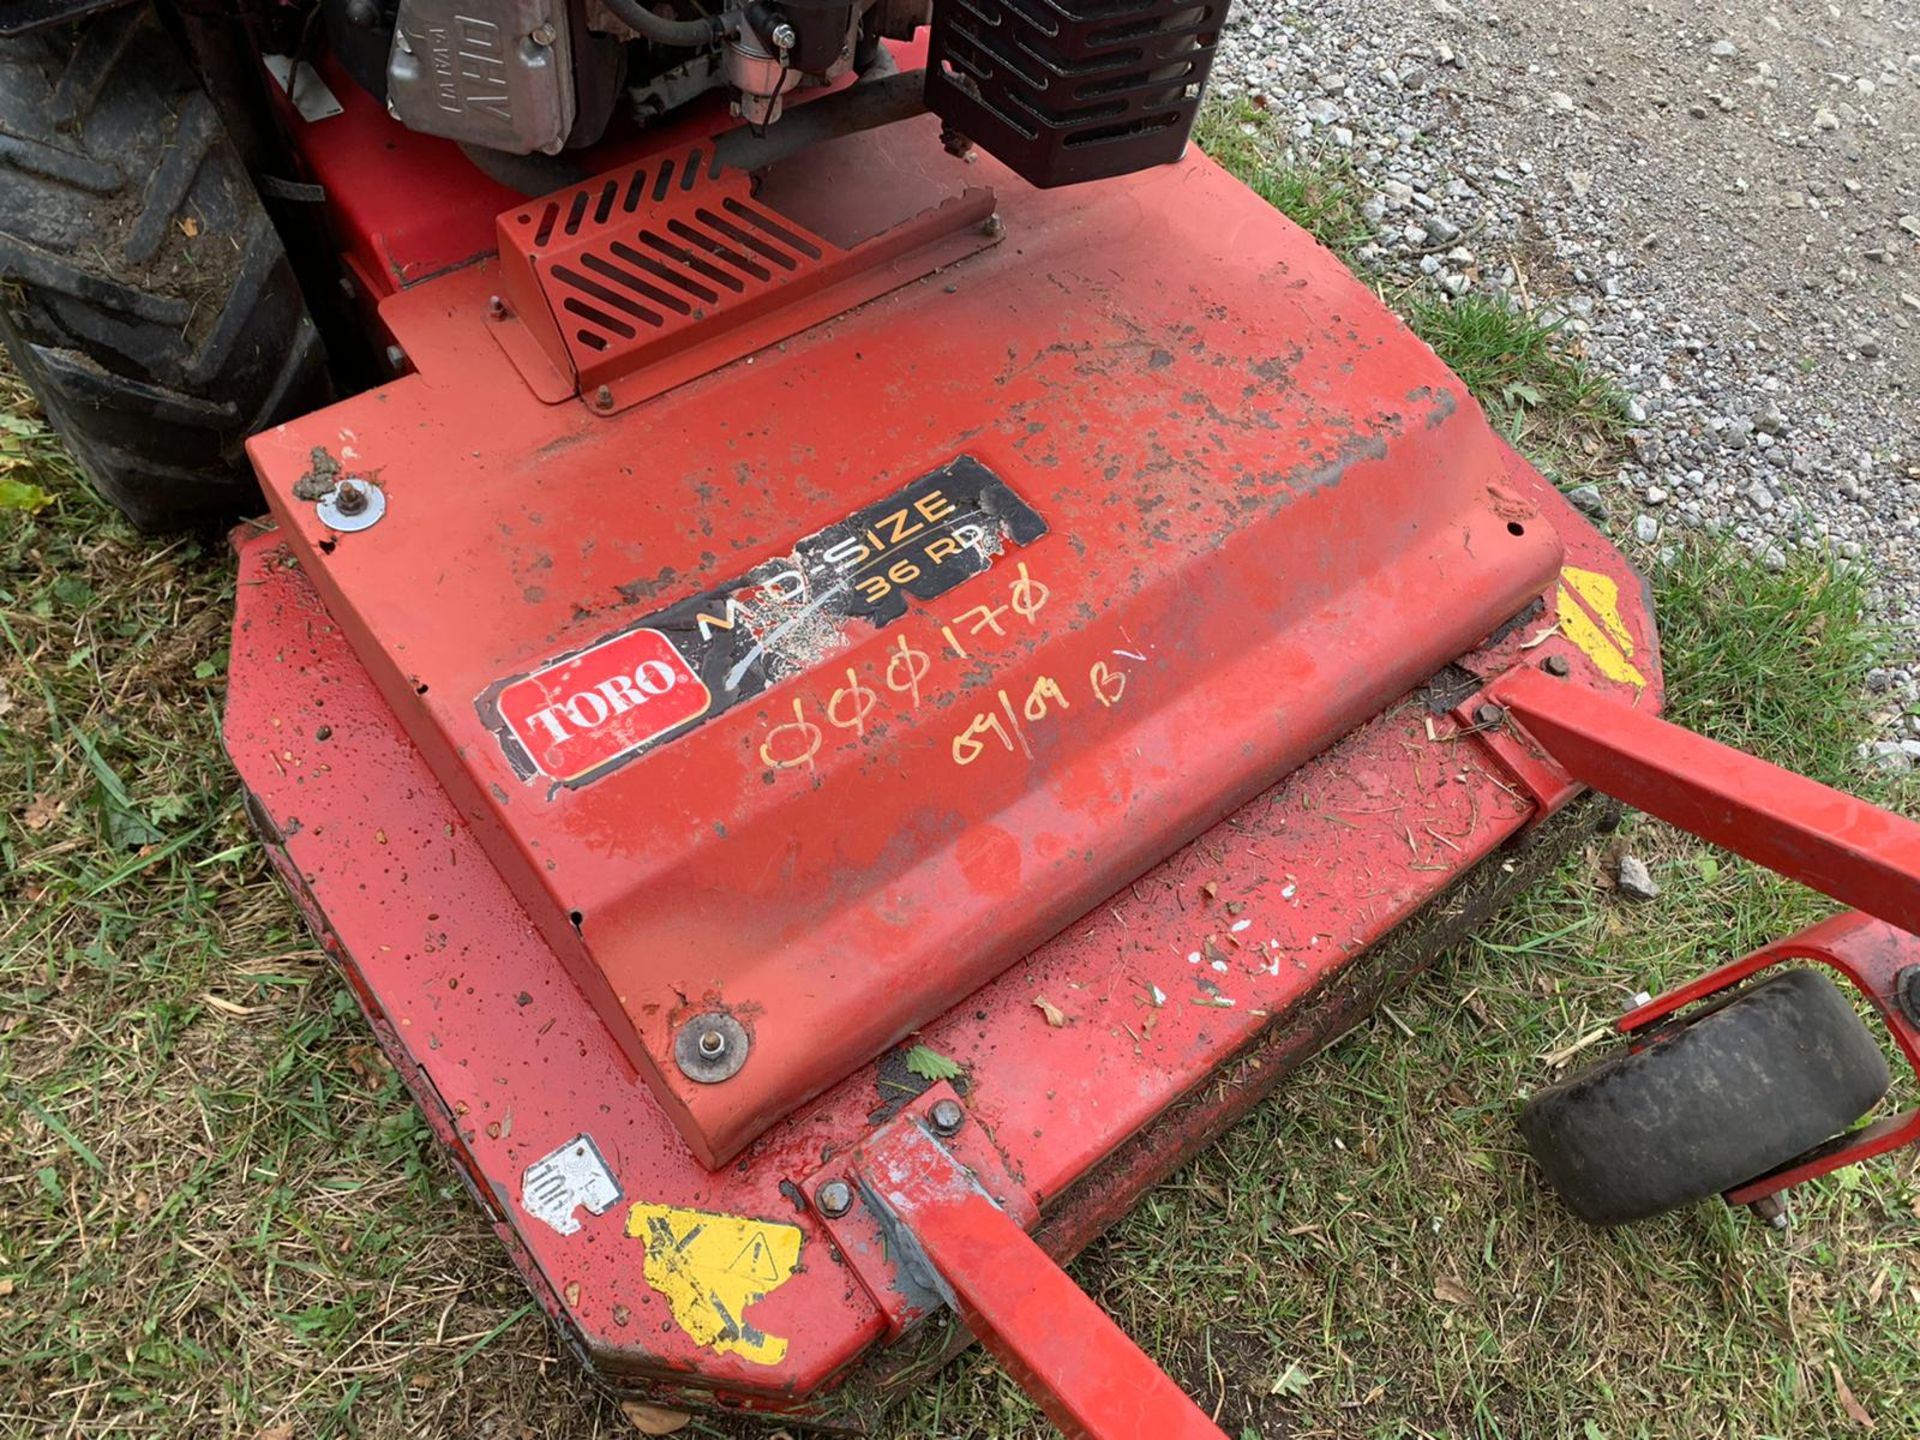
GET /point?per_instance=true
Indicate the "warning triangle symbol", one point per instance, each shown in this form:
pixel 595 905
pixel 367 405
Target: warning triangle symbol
pixel 757 1260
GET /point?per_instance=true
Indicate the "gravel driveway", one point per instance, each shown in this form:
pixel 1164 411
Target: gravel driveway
pixel 1722 198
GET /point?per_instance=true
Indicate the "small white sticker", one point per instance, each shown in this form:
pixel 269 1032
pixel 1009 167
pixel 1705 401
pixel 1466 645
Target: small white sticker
pixel 559 1183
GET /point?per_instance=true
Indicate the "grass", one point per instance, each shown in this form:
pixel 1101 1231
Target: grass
pixel 220 1216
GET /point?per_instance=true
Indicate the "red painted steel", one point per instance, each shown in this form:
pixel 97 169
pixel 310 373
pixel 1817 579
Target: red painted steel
pixel 1858 853
pixel 1271 515
pixel 1088 1376
pixel 656 273
pixel 1158 988
pixel 1269 511
pixel 1871 955
pixel 868 1242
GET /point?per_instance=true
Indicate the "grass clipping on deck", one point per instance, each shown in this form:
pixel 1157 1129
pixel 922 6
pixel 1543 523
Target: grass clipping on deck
pixel 221 1216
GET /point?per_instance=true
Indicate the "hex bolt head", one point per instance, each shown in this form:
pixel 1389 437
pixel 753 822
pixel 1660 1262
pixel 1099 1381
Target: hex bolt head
pixel 993 227
pixel 496 307
pixel 1488 714
pixel 711 1048
pixel 783 36
pixel 543 35
pixel 947 1116
pixel 834 1198
pixel 396 357
pixel 350 497
pixel 1557 666
pixel 1770 1208
pixel 603 397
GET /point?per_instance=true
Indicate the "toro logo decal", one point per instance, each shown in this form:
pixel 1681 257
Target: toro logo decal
pixel 580 714
pixel 577 717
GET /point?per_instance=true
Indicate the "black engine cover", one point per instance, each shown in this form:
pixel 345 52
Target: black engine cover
pixel 1062 91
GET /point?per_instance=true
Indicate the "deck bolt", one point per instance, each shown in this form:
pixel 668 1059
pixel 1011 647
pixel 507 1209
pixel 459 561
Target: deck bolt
pixel 1488 715
pixel 543 35
pixel 993 227
pixel 350 498
pixel 947 1116
pixel 496 307
pixel 711 1048
pixel 1557 666
pixel 1770 1208
pixel 603 397
pixel 396 357
pixel 834 1198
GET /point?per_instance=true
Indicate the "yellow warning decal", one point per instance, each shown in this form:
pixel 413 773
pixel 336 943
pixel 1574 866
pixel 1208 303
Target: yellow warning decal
pixel 711 1268
pixel 1595 625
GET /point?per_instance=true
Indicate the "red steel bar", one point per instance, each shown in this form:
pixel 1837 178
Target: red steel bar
pixel 1859 854
pixel 1089 1378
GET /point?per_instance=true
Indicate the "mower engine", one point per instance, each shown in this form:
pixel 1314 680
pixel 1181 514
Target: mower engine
pixel 1059 93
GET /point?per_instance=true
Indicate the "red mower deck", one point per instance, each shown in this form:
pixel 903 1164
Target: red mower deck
pixel 1031 663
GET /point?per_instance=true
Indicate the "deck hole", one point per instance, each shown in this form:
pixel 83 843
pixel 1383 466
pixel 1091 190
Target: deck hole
pixel 1514 527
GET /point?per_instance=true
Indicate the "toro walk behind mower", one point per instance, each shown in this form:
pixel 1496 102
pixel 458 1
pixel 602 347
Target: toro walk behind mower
pixel 876 650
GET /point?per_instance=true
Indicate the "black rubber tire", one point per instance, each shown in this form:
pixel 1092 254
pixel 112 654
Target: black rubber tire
pixel 144 294
pixel 1766 1077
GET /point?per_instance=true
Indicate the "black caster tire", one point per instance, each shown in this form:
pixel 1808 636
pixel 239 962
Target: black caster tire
pixel 1744 1089
pixel 145 296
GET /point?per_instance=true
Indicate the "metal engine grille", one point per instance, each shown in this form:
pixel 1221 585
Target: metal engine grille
pixel 1080 90
pixel 655 273
pixel 637 255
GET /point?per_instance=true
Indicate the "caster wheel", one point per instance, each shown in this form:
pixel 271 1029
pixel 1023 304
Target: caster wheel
pixel 1783 1066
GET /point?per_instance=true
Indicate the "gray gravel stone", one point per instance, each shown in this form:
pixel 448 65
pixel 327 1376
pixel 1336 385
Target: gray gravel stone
pixel 1634 880
pixel 1750 278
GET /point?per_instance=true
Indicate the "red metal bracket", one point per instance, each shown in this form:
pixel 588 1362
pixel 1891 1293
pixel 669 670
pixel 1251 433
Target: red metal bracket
pixel 1089 1378
pixel 653 274
pixel 1861 855
pixel 1842 846
pixel 865 1236
pixel 1874 957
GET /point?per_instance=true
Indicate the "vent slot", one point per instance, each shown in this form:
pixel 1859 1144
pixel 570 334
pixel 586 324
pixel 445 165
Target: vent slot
pixel 1062 91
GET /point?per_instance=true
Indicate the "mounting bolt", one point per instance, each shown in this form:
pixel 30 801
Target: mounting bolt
pixel 711 1048
pixel 603 398
pixel 1770 1208
pixel 1906 993
pixel 947 1116
pixel 350 498
pixel 396 357
pixel 783 36
pixel 993 227
pixel 1488 715
pixel 1557 666
pixel 496 307
pixel 834 1198
pixel 542 35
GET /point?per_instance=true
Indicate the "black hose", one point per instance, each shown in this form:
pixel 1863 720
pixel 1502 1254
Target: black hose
pixel 683 34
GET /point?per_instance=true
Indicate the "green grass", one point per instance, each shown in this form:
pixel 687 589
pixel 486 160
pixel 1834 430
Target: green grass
pixel 221 1216
pixel 1538 393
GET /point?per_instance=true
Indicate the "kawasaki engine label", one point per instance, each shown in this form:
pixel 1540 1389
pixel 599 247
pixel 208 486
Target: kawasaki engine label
pixel 586 712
